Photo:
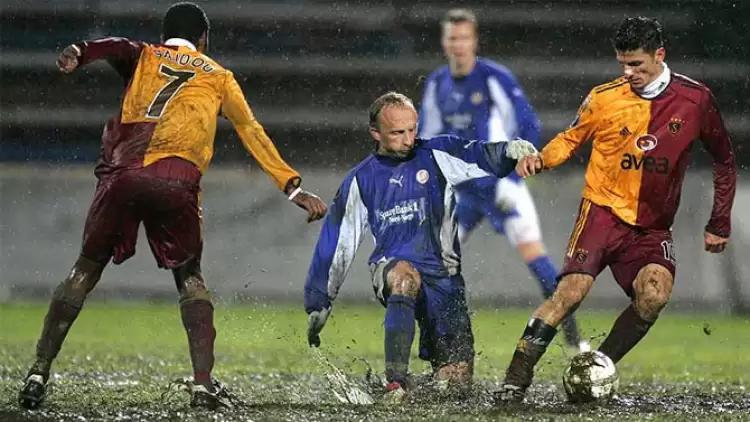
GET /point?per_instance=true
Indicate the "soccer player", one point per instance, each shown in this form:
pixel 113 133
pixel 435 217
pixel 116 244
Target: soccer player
pixel 642 125
pixel 404 193
pixel 154 153
pixel 476 98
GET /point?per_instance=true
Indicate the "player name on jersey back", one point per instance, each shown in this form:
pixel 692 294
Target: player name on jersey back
pixel 184 59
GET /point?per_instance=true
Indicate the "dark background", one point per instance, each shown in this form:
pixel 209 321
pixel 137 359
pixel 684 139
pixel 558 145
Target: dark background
pixel 310 68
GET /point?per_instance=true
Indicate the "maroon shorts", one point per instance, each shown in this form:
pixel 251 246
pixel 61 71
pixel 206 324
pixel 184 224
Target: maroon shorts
pixel 165 196
pixel 601 239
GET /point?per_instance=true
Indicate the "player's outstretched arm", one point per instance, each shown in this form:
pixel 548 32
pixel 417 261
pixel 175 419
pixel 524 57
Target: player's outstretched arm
pixel 121 53
pixel 564 145
pixel 461 160
pixel 340 237
pixel 256 141
pixel 716 140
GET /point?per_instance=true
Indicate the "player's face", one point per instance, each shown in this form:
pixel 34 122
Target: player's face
pixel 397 128
pixel 460 43
pixel 639 67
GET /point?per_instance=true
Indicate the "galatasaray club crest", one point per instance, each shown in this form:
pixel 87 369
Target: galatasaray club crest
pixel 476 98
pixel 675 125
pixel 580 256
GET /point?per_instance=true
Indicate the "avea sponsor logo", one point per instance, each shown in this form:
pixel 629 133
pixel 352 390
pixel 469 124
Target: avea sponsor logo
pixel 401 213
pixel 649 164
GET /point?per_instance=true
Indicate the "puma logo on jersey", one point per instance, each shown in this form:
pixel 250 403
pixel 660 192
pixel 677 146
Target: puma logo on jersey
pixel 398 181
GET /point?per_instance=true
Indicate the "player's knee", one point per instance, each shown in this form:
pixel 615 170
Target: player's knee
pixel 530 251
pixel 190 282
pixel 571 291
pixel 404 280
pixel 653 289
pixel 82 278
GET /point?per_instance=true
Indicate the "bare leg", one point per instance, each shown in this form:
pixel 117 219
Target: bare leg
pixel 535 256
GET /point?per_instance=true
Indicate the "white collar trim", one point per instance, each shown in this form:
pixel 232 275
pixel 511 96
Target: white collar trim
pixel 658 85
pixel 180 42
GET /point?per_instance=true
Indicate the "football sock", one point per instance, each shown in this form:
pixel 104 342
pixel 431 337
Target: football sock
pixel 57 323
pixel 531 346
pixel 399 334
pixel 198 320
pixel 546 273
pixel 628 330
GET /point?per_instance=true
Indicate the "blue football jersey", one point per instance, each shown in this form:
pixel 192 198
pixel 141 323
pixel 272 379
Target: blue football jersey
pixel 488 104
pixel 408 206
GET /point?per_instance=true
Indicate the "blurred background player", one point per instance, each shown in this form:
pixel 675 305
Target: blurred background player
pixel 643 125
pixel 402 193
pixel 153 155
pixel 476 98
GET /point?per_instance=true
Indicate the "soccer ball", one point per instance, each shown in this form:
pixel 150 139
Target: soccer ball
pixel 590 377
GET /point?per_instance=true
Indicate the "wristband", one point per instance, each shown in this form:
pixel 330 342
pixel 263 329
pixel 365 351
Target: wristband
pixel 295 193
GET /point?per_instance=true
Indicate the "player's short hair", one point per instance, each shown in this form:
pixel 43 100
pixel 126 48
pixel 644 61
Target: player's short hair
pixel 185 20
pixel 638 32
pixel 459 16
pixel 388 99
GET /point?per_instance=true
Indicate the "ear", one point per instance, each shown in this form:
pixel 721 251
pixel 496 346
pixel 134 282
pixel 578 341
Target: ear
pixel 203 42
pixel 375 134
pixel 660 54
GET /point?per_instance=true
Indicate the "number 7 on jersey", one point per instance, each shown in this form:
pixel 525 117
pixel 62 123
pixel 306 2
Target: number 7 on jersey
pixel 177 79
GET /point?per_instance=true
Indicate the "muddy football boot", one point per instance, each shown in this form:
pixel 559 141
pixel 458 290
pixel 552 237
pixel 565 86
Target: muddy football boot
pixel 394 394
pixel 33 392
pixel 211 400
pixel 509 394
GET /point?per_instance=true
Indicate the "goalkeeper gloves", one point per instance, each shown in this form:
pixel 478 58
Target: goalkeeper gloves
pixel 519 148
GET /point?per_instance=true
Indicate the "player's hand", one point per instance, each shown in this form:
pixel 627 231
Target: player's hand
pixel 315 323
pixel 713 243
pixel 311 203
pixel 67 61
pixel 529 165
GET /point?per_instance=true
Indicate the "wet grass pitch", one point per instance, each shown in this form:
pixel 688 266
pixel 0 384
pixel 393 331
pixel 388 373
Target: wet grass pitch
pixel 120 358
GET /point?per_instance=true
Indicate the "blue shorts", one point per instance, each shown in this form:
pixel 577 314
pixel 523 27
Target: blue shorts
pixel 477 200
pixel 445 334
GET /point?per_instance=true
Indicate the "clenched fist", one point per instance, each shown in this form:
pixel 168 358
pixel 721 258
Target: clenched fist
pixel 67 61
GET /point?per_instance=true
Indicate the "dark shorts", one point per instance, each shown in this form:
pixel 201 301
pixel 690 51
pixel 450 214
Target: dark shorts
pixel 165 196
pixel 601 239
pixel 445 334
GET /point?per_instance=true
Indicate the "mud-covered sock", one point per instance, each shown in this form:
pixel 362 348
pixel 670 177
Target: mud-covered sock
pixel 627 331
pixel 399 335
pixel 198 320
pixel 60 317
pixel 531 346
